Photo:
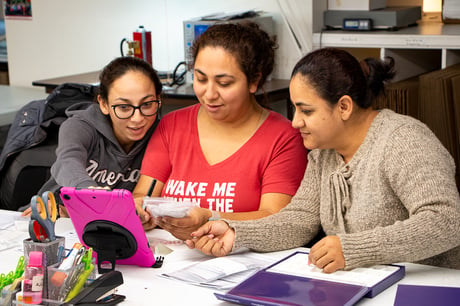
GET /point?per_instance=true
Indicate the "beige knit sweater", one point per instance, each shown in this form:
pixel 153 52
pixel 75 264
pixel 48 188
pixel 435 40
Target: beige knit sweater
pixel 395 201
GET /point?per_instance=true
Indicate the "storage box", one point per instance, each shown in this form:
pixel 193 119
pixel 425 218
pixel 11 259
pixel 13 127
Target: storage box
pixel 359 5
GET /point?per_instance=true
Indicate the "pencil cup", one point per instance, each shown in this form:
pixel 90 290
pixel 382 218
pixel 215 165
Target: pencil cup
pixel 51 253
pixel 50 250
pixel 61 281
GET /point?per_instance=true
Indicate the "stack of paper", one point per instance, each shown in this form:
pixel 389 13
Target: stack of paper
pixel 440 107
pixel 222 272
pixel 401 97
pixel 433 98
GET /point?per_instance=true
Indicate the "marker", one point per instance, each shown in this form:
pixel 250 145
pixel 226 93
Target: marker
pixel 150 192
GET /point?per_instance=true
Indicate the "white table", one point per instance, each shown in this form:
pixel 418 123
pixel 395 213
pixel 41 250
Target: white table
pixel 12 98
pixel 144 286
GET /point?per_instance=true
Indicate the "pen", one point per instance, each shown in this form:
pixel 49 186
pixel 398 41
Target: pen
pixel 60 253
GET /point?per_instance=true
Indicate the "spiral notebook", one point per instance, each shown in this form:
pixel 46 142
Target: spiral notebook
pixel 291 281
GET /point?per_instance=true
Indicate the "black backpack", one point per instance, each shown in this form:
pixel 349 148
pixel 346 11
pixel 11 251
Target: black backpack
pixel 29 149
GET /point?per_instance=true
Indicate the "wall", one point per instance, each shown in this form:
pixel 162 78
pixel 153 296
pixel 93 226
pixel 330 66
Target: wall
pixel 68 37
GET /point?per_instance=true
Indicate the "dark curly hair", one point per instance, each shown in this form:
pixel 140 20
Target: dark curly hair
pixel 252 47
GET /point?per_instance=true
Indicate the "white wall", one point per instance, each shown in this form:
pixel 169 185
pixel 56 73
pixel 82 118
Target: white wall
pixel 67 37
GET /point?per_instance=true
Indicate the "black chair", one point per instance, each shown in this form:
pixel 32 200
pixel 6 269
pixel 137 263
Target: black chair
pixel 25 173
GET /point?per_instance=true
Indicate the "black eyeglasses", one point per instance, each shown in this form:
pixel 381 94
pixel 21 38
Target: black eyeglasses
pixel 125 111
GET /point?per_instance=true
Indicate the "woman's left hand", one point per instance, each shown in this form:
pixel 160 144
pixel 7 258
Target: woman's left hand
pixel 327 254
pixel 181 228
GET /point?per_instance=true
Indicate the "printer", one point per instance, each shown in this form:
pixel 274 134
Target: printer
pixel 387 18
pixel 193 28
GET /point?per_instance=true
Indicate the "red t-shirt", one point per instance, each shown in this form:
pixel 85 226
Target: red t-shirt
pixel 272 160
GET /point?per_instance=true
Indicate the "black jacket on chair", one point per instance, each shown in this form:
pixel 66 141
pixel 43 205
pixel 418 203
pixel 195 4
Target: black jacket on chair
pixel 29 150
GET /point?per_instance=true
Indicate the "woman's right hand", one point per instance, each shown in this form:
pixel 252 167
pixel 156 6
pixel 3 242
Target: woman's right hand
pixel 147 221
pixel 213 238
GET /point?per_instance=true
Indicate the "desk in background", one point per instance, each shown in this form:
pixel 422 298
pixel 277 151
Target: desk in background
pixel 145 286
pixel 275 90
pixel 12 98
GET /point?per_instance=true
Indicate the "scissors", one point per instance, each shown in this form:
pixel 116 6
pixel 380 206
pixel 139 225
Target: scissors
pixel 43 218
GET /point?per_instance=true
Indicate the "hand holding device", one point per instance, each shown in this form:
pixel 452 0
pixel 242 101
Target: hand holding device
pixel 160 207
pixel 181 228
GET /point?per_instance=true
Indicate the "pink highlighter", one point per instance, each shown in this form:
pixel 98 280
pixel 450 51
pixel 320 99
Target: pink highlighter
pixel 106 220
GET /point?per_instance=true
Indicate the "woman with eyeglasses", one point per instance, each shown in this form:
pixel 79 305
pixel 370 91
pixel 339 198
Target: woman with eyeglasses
pixel 229 155
pixel 103 145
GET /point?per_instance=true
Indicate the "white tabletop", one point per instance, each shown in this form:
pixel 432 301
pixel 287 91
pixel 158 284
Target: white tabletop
pixel 12 98
pixel 145 286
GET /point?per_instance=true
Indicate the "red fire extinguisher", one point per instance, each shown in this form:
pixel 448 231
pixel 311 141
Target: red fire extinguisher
pixel 145 44
pixel 141 46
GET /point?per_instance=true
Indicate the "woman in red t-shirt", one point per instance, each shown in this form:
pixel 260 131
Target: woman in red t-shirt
pixel 229 155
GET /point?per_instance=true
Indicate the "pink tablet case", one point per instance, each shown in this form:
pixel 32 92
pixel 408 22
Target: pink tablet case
pixel 111 215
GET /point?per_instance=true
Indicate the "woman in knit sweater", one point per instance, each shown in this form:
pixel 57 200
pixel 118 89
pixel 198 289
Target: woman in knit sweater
pixel 380 184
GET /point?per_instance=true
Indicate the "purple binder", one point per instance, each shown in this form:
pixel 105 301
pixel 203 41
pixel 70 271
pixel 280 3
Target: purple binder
pixel 270 288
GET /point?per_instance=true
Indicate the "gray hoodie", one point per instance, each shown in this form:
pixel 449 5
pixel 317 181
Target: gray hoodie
pixel 88 154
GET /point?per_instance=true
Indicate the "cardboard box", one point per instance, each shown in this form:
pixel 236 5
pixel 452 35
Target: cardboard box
pixel 359 5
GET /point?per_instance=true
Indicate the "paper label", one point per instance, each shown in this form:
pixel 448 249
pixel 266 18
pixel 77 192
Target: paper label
pixel 37 282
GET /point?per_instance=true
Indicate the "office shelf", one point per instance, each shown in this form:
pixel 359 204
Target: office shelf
pixel 425 47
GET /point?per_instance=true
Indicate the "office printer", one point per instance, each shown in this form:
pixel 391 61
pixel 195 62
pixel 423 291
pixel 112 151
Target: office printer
pixel 193 28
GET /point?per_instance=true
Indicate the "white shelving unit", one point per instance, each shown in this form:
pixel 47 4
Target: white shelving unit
pixel 418 49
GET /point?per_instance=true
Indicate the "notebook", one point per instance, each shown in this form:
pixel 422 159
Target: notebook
pixel 291 281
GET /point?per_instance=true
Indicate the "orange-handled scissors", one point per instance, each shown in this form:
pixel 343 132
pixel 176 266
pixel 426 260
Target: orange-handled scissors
pixel 43 218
